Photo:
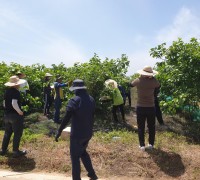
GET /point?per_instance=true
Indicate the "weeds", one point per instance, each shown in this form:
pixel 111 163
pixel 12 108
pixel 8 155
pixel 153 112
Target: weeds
pixel 30 137
pixel 116 135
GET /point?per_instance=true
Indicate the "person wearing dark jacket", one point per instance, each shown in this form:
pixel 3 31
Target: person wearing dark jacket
pixel 47 94
pixel 13 117
pixel 157 107
pixel 58 97
pixel 80 110
pixel 123 93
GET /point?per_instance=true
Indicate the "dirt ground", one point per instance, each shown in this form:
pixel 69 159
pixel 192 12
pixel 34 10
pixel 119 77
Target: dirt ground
pixel 175 156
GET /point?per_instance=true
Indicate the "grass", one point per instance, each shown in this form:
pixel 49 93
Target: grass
pixel 123 136
pixel 114 152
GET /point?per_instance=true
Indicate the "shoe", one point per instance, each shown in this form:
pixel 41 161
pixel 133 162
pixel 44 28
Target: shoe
pixel 93 177
pixel 3 153
pixel 149 147
pixel 142 148
pixel 17 154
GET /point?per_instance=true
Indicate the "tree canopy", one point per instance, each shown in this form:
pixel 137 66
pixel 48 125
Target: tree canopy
pixel 179 73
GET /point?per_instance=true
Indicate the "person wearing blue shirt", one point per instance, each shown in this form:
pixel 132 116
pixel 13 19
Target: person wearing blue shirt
pixel 58 97
pixel 80 111
pixel 123 93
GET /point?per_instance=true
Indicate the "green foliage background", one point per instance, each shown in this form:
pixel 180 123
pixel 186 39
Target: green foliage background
pixel 94 73
pixel 179 74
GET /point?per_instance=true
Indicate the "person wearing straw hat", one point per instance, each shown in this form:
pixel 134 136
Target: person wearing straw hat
pixel 145 109
pixel 24 87
pixel 118 102
pixel 47 89
pixel 13 116
pixel 80 111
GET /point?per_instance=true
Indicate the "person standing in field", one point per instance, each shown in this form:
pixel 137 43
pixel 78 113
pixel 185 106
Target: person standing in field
pixel 123 93
pixel 117 99
pixel 145 109
pixel 47 90
pixel 58 97
pixel 24 87
pixel 13 117
pixel 80 111
pixel 157 107
pixel 128 94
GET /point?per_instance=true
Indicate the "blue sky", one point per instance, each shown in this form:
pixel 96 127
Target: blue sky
pixel 54 31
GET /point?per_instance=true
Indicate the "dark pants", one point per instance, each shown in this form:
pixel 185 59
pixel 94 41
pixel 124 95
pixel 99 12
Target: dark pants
pixel 57 105
pixel 114 111
pixel 78 151
pixel 13 123
pixel 128 95
pixel 47 103
pixel 158 112
pixel 143 114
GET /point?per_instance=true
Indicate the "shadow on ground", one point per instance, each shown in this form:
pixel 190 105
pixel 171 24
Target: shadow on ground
pixel 168 162
pixel 21 164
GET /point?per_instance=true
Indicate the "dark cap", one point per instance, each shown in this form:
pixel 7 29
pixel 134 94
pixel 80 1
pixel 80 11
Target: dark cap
pixel 77 84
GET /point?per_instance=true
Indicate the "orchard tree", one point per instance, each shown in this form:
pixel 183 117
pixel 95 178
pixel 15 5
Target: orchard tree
pixel 94 73
pixel 179 74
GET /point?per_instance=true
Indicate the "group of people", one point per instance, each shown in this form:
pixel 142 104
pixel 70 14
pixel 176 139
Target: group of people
pixel 80 112
pixel 119 96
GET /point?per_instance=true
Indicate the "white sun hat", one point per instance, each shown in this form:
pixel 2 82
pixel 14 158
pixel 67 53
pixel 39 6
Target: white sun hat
pixel 111 82
pixel 14 81
pixel 48 75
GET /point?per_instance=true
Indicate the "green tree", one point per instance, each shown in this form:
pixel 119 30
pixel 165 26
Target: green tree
pixel 179 74
pixel 94 73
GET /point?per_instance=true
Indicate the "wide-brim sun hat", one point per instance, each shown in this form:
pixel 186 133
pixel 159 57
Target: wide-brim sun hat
pixel 48 75
pixel 77 84
pixel 147 71
pixel 111 81
pixel 19 73
pixel 14 81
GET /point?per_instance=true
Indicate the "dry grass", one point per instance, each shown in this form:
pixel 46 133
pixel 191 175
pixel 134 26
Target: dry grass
pixel 173 157
pixel 114 158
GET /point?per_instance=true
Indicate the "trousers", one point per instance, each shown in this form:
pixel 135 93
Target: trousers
pixel 78 151
pixel 57 105
pixel 13 124
pixel 114 111
pixel 146 114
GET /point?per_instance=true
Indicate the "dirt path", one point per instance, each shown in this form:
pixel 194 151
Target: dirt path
pixel 9 175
